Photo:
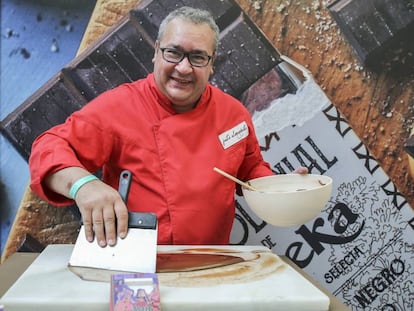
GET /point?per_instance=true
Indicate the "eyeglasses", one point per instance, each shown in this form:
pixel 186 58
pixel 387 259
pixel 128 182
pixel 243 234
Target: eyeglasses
pixel 176 56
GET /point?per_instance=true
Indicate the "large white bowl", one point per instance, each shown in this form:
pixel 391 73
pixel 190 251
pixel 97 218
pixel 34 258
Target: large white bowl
pixel 288 199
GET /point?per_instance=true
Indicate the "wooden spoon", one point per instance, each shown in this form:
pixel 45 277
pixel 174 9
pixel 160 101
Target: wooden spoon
pixel 242 183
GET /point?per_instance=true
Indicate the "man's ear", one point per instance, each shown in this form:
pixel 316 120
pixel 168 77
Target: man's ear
pixel 155 51
pixel 212 64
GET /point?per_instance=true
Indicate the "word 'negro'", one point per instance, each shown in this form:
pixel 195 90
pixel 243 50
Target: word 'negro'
pixel 384 279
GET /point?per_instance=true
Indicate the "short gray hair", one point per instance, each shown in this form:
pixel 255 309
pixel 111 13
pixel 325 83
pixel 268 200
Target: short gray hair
pixel 196 16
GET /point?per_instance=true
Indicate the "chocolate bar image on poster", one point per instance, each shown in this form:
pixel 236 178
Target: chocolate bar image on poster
pixel 124 54
pixel 379 31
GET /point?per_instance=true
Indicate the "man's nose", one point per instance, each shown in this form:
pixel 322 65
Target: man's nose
pixel 184 66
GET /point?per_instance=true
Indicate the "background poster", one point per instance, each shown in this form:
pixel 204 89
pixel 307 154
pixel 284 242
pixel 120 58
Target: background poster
pixel 361 246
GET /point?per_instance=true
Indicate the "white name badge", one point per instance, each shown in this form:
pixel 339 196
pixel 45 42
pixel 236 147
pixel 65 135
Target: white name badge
pixel 234 135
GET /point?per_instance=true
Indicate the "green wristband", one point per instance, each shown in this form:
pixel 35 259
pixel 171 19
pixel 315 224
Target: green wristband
pixel 79 183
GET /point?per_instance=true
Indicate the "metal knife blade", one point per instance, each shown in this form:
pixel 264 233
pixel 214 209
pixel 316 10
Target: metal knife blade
pixel 136 253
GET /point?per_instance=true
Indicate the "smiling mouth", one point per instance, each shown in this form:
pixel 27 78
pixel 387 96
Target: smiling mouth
pixel 181 81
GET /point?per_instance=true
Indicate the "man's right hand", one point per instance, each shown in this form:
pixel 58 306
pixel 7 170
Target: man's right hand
pixel 104 213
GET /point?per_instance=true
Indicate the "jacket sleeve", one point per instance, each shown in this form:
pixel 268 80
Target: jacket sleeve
pixel 55 150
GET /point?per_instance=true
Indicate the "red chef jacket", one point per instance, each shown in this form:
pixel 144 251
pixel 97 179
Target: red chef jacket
pixel 171 156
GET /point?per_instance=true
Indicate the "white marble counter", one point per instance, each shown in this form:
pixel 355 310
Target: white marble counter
pixel 268 284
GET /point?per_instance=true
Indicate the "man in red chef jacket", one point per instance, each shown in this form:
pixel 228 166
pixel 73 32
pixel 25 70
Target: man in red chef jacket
pixel 169 129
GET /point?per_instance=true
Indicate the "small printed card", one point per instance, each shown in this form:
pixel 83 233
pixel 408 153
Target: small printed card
pixel 135 292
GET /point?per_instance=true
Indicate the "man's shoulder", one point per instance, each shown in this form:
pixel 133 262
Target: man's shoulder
pixel 126 88
pixel 225 99
pixel 219 93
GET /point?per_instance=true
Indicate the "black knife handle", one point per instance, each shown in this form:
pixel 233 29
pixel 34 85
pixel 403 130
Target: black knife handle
pixel 135 219
pixel 142 220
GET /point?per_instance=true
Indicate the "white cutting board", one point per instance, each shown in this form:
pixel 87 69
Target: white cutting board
pixel 48 285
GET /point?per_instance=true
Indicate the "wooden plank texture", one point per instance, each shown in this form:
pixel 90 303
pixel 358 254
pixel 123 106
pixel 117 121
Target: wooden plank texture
pixel 378 106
